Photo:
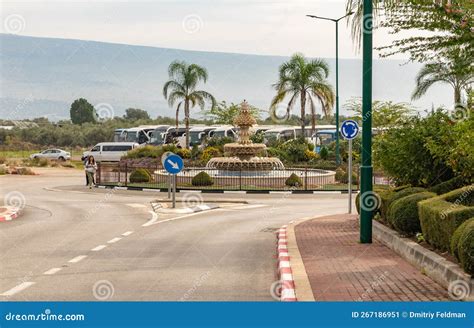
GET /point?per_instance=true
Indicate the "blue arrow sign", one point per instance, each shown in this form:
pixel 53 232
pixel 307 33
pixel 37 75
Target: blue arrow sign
pixel 173 164
pixel 349 129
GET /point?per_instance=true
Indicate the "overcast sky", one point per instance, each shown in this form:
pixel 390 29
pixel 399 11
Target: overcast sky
pixel 270 27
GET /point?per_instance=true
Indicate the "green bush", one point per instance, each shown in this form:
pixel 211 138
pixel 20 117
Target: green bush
pixel 184 153
pixel 397 195
pixel 209 153
pixel 384 194
pixel 202 179
pixel 447 186
pixel 324 153
pixel 139 176
pixel 295 150
pixel 343 177
pixel 3 169
pixel 440 216
pixel 465 249
pixel 3 159
pixel 457 235
pixel 399 188
pixel 147 151
pixel 293 181
pixel 403 214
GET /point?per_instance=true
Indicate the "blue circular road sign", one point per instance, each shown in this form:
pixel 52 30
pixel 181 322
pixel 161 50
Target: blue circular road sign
pixel 173 163
pixel 349 129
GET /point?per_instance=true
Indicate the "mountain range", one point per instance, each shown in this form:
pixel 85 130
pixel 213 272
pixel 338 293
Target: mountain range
pixel 41 77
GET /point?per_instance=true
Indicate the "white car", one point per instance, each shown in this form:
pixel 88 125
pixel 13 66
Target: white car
pixel 56 154
pixel 110 151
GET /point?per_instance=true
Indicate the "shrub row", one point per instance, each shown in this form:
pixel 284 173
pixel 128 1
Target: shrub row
pixel 442 215
pixel 462 245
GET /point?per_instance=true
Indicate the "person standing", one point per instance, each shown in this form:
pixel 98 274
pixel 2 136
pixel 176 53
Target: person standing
pixel 85 159
pixel 91 168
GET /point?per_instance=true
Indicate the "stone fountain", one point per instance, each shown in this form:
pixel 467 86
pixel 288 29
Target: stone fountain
pixel 244 155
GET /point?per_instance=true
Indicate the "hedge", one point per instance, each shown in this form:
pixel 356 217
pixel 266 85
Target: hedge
pixel 456 236
pixel 465 249
pixel 403 213
pixel 140 175
pixel 293 181
pixel 447 186
pixel 202 179
pixel 440 216
pixel 384 194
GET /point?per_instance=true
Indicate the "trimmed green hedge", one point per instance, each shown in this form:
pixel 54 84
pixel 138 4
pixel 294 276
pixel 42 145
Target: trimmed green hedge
pixel 456 236
pixel 202 179
pixel 384 194
pixel 465 249
pixel 447 186
pixel 140 175
pixel 293 181
pixel 403 213
pixel 440 216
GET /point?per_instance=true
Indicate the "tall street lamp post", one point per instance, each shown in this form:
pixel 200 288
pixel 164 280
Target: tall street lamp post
pixel 338 158
pixel 367 195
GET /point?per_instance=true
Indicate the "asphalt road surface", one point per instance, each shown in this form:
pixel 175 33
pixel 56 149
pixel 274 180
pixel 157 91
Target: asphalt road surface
pixel 72 243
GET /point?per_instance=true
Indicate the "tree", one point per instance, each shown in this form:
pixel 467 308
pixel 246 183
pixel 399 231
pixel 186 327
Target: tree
pixel 82 112
pixel 306 80
pixel 135 114
pixel 225 114
pixel 456 72
pixel 385 114
pixel 448 26
pixel 181 88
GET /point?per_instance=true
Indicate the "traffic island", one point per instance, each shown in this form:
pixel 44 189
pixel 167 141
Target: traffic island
pixel 8 213
pixel 340 268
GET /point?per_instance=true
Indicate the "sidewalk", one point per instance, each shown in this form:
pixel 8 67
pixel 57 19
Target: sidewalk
pixel 339 268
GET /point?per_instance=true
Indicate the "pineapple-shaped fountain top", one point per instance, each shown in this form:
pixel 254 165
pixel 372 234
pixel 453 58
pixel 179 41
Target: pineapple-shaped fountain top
pixel 244 121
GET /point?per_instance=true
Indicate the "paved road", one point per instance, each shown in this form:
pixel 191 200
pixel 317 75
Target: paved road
pixel 72 243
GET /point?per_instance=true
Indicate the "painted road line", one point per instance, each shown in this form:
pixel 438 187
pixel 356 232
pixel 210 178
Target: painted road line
pixel 77 259
pixel 114 240
pixel 154 218
pixel 128 233
pixel 99 248
pixel 19 288
pixel 52 271
pixel 135 205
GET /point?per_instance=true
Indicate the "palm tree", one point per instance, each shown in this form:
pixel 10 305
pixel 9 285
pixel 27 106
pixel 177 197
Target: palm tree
pixel 181 88
pixel 306 80
pixel 456 73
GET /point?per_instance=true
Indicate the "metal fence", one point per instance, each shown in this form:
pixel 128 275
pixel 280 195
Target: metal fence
pixel 304 179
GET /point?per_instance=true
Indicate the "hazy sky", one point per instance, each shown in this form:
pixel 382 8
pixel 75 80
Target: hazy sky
pixel 276 27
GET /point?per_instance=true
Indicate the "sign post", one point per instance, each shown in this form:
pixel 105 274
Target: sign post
pixel 173 164
pixel 349 130
pixel 163 159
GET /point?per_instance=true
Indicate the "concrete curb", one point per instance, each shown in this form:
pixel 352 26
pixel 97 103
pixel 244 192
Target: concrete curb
pixel 220 191
pixel 159 208
pixel 10 213
pixel 444 272
pixel 284 268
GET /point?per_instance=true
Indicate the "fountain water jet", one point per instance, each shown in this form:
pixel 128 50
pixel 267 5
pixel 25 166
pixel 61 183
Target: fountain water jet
pixel 244 155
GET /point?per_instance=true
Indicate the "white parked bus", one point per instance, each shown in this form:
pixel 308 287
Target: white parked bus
pixel 292 132
pixel 198 134
pixel 110 151
pixel 141 134
pixel 224 131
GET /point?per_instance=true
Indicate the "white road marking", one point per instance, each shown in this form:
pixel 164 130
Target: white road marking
pixel 135 205
pixel 52 271
pixel 77 259
pixel 244 207
pixel 98 248
pixel 154 218
pixel 19 288
pixel 128 233
pixel 114 240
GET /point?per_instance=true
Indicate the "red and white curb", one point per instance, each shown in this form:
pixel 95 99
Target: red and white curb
pixel 284 268
pixel 10 213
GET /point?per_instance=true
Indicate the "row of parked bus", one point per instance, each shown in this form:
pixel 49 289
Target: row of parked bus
pixel 128 139
pixel 165 134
